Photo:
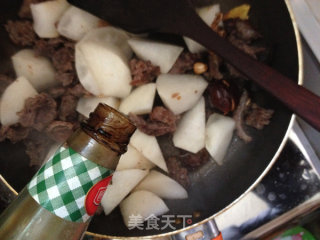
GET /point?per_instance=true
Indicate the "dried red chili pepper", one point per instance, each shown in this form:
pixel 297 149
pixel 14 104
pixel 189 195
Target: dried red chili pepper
pixel 223 95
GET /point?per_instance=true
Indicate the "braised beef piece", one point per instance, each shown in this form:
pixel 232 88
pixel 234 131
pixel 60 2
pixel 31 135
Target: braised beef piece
pixel 61 42
pixel 241 29
pixel 37 147
pixel 43 48
pixel 177 171
pixel 59 131
pixel 25 11
pixel 164 115
pixel 57 92
pixel 4 82
pixel 63 59
pixel 251 50
pixel 242 35
pixel 257 116
pixel 21 32
pixel 48 47
pixel 17 133
pixel 66 78
pixel 194 160
pixel 185 63
pixel 67 110
pixel 150 128
pixel 14 133
pixel 252 115
pixel 161 121
pixel 214 62
pixel 78 91
pixel 143 72
pixel 238 116
pixel 38 112
pixel 245 31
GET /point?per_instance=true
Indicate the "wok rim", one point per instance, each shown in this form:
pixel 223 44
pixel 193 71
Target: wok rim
pixel 254 184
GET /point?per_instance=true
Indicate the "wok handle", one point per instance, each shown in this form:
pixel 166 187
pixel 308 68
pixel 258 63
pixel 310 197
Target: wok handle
pixel 215 230
pixel 219 237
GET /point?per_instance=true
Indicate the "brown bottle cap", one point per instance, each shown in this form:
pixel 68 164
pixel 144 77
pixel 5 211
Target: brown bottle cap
pixel 110 127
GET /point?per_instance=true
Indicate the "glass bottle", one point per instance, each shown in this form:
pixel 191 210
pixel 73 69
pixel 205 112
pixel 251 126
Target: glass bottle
pixel 63 195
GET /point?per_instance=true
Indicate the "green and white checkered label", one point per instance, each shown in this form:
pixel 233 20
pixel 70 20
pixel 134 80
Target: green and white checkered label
pixel 61 185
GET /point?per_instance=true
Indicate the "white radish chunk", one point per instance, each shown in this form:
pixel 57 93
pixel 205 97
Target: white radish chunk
pixel 133 159
pixel 110 71
pixel 180 92
pixel 140 101
pixel 37 69
pixel 13 99
pixel 86 105
pixel 207 14
pixel 149 148
pixel 122 183
pixel 219 131
pixel 75 23
pixel 84 73
pixel 102 62
pixel 111 36
pixel 190 133
pixel 142 203
pixel 46 15
pixel 159 54
pixel 163 186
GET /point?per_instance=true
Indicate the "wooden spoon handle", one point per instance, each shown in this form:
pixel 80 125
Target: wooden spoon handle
pixel 297 98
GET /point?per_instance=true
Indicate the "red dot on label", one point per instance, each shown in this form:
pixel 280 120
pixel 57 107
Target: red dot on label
pixel 95 194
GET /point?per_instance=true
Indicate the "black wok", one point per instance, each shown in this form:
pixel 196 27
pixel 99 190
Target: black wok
pixel 213 187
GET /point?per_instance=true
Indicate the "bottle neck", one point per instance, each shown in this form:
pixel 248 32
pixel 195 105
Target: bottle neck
pixel 104 137
pixel 89 148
